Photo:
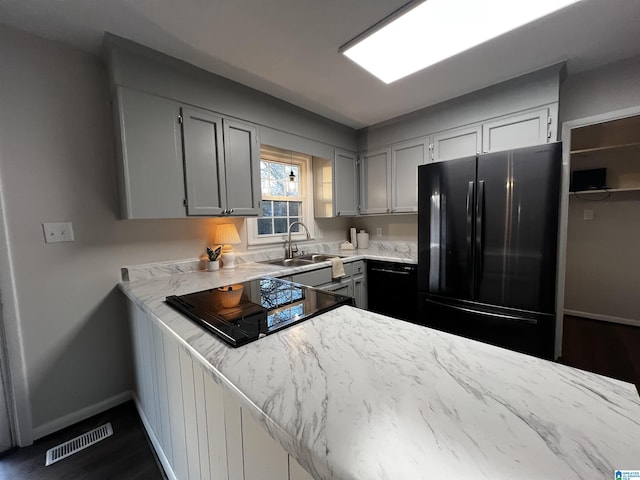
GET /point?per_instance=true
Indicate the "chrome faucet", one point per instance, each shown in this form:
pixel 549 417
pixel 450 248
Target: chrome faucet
pixel 289 247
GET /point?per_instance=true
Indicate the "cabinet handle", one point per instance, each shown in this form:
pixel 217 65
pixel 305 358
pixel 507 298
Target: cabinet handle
pixel 337 214
pixel 230 211
pixel 224 212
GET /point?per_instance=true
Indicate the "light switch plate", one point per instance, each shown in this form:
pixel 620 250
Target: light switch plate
pixel 379 232
pixel 588 215
pixel 55 232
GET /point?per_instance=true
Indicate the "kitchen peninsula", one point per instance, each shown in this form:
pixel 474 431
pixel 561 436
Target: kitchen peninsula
pixel 355 395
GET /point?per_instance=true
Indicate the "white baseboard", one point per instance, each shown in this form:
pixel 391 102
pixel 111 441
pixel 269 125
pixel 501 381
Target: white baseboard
pixel 154 441
pixel 604 318
pixel 79 415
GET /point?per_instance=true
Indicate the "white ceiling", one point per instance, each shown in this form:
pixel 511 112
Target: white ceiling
pixel 289 48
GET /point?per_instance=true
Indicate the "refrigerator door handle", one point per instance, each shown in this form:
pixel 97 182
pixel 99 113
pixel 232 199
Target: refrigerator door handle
pixel 479 250
pixel 484 313
pixel 470 195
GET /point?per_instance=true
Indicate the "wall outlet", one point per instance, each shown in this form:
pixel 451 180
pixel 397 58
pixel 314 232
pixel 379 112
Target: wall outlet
pixel 55 232
pixel 588 215
pixel 378 231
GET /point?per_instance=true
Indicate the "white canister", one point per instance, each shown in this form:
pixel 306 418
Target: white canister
pixel 363 239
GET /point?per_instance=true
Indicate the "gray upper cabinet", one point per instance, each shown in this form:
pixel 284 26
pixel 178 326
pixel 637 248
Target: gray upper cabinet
pixel 150 155
pixel 335 185
pixel 405 159
pixel 173 156
pixel 203 162
pixel 345 183
pixel 375 181
pixel 514 131
pixel 456 143
pixel 242 167
pixel 222 164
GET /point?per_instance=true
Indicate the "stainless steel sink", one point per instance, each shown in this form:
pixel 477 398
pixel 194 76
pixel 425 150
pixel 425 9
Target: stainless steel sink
pixel 317 257
pixel 289 262
pixel 302 260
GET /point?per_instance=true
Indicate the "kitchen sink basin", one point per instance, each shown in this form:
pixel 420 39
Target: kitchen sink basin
pixel 302 260
pixel 289 262
pixel 317 257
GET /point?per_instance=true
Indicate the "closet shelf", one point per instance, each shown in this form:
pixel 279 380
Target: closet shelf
pixel 608 190
pixel 607 147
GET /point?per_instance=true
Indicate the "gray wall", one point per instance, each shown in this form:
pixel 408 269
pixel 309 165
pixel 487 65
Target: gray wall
pixel 394 227
pixel 603 257
pixel 612 87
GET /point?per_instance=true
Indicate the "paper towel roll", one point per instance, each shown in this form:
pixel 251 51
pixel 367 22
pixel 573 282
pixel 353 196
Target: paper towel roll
pixel 354 239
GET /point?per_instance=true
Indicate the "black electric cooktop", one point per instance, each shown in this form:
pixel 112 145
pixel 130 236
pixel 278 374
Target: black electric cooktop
pixel 263 307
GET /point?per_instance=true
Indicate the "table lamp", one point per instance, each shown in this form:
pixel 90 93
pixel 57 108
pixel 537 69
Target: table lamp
pixel 227 235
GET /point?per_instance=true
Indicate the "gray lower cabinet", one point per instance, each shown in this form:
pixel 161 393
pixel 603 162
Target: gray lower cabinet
pixel 196 427
pixel 405 159
pixel 375 182
pixel 177 161
pixel 335 185
pixel 360 290
pixel 353 284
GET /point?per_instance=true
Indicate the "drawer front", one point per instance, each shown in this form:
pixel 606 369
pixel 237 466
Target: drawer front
pixel 356 267
pixel 314 277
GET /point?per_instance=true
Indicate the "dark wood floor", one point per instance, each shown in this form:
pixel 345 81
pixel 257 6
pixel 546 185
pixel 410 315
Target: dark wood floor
pixel 606 348
pixel 127 454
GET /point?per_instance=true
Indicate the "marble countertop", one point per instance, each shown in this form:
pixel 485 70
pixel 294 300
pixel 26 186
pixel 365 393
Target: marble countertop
pixel 356 395
pixel 400 252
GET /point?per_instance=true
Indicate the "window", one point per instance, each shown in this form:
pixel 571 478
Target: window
pixel 283 201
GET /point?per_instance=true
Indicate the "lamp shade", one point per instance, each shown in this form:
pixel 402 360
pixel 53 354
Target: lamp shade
pixel 226 234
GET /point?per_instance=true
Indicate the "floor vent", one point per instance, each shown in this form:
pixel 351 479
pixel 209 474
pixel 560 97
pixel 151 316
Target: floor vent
pixel 85 440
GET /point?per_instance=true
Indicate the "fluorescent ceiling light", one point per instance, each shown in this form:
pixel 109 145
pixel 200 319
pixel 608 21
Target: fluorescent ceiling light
pixel 438 29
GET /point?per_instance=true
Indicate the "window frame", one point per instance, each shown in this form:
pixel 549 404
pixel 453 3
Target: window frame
pixel 303 161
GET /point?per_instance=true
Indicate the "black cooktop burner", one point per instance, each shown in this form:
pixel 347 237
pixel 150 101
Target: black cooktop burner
pixel 247 311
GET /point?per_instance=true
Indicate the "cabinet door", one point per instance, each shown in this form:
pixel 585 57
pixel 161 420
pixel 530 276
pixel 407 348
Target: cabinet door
pixel 375 180
pixel 405 158
pixel 150 155
pixel 456 143
pixel 204 165
pixel 264 458
pixel 360 291
pixel 242 167
pixel 515 131
pixel 345 183
pixel 343 287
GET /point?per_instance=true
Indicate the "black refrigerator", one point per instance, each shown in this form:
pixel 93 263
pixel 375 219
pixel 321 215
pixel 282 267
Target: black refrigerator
pixel 487 247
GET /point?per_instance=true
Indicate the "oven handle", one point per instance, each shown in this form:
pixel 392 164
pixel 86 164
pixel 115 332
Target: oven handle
pixel 394 272
pixel 488 314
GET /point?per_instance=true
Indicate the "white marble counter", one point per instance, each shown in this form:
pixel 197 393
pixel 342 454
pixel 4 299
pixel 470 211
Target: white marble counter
pixel 356 395
pixel 401 252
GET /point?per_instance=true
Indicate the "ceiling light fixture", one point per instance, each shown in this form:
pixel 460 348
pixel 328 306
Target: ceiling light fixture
pixel 434 30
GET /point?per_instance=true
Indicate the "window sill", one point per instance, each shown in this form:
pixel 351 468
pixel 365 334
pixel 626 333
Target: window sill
pixel 273 241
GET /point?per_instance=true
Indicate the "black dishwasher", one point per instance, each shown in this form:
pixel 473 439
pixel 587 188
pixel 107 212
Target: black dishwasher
pixel 393 289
